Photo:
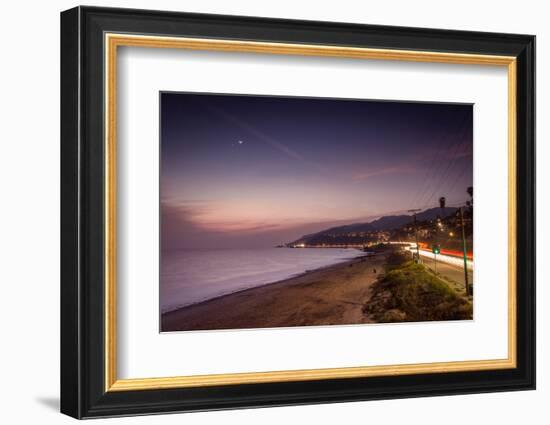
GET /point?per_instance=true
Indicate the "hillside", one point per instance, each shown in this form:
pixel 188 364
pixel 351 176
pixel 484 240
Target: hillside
pixel 357 232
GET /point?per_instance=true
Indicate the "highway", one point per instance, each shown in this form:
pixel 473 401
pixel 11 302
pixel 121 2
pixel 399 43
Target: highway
pixel 449 267
pixel 452 273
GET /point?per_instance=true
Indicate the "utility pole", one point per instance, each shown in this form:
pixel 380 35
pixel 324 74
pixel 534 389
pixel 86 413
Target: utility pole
pixel 468 288
pixel 414 211
pixel 437 248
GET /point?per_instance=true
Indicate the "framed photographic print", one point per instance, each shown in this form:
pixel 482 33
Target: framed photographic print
pixel 261 212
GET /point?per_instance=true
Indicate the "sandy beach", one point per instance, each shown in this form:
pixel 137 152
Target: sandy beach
pixel 332 295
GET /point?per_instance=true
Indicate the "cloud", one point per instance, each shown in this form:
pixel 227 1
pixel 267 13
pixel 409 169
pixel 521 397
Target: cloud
pixel 396 169
pixel 240 226
pixel 177 227
pixel 181 228
pixel 214 217
pixel 461 149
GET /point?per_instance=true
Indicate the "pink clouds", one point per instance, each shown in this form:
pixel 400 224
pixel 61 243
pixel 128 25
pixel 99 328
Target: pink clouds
pixel 397 169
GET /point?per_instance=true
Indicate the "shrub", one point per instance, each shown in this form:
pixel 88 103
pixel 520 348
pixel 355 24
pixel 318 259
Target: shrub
pixel 410 293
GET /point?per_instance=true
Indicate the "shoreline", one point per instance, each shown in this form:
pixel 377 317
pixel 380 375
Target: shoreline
pixel 332 294
pixel 294 276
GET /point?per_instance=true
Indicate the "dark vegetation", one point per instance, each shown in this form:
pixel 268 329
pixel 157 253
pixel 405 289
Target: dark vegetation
pixel 408 292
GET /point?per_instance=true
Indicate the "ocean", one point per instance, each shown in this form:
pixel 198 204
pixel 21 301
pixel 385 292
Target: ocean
pixel 191 276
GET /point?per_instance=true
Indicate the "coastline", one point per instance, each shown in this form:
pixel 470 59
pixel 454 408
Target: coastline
pixel 290 277
pixel 328 295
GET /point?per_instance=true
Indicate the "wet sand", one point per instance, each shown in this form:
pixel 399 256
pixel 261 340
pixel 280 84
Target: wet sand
pixel 332 295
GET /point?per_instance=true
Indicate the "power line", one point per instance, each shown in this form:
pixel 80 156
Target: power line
pixel 438 163
pixel 459 176
pixel 441 181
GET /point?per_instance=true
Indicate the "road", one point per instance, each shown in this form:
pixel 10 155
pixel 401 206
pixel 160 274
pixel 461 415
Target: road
pixel 450 268
pixel 444 258
pixel 450 272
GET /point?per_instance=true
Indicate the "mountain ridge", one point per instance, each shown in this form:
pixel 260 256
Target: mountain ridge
pixel 383 223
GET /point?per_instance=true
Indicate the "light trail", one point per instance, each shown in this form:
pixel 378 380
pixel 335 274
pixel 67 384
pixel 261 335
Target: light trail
pixel 444 258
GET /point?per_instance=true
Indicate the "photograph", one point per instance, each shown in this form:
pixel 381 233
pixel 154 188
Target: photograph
pixel 298 211
pixel 278 211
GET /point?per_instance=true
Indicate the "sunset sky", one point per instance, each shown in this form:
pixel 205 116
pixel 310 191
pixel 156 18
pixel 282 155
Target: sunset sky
pixel 255 171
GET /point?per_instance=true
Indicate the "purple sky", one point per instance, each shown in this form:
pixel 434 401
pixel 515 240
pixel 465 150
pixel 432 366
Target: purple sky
pixel 255 171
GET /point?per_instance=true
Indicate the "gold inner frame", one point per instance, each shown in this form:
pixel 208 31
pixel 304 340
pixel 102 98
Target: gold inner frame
pixel 113 41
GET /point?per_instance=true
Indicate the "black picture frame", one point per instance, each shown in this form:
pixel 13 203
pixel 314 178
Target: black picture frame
pixel 83 392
